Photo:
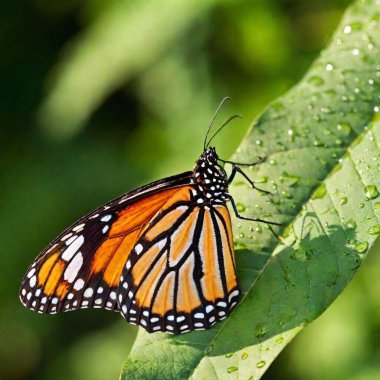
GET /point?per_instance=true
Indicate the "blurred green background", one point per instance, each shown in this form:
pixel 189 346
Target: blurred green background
pixel 98 98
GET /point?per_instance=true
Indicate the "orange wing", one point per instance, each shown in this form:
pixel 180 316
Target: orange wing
pixel 181 274
pixel 82 267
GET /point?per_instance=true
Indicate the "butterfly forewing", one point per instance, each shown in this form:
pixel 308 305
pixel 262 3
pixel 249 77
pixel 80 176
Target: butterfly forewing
pixel 82 266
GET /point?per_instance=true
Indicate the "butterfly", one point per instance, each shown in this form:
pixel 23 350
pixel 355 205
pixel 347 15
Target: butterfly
pixel 161 255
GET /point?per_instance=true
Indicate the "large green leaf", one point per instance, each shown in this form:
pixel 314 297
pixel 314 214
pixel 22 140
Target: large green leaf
pixel 321 141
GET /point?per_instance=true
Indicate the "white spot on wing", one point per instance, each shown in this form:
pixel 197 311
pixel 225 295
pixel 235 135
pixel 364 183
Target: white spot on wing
pixel 106 218
pixel 33 281
pixel 209 308
pixel 73 268
pixel 88 292
pixel 70 251
pixel 78 284
pixel 232 295
pixel 66 236
pixel 79 227
pixel 138 248
pixel 31 272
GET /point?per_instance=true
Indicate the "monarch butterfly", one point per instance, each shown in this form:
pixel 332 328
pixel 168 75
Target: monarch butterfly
pixel 160 255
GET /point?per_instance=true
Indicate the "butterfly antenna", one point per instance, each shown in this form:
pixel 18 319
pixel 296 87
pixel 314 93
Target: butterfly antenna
pixel 224 124
pixel 213 119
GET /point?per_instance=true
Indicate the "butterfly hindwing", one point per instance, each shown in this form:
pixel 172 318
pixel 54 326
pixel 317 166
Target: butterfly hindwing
pixel 181 274
pixel 81 268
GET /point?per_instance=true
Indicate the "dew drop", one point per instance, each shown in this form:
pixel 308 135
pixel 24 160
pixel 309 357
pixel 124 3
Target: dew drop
pixel 343 200
pixel 261 364
pixel 240 207
pixel 316 80
pixel 259 142
pixel 371 192
pixel 229 354
pixel 326 110
pixel 260 331
pixel 232 369
pixel 351 224
pixel 279 340
pixel 286 194
pixel 344 128
pixel 320 192
pixel 329 67
pixel 239 245
pixel 356 26
pixel 360 246
pixel 317 142
pixel 347 29
pixel 262 180
pixel 244 355
pixel 291 178
pixel 241 235
pixel 374 230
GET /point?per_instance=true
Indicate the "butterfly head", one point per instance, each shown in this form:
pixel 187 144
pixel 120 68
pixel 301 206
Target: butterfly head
pixel 210 156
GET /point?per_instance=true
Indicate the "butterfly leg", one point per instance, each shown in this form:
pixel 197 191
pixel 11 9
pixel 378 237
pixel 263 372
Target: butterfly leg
pixel 251 219
pixel 236 169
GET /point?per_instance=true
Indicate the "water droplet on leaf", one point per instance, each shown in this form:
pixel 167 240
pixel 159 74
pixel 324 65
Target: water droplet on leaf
pixel 351 224
pixel 232 369
pixel 316 80
pixel 260 331
pixel 374 230
pixel 240 207
pixel 360 246
pixel 261 364
pixel 344 128
pixel 320 192
pixel 371 192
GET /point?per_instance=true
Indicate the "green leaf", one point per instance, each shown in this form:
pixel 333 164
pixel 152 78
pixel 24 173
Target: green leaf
pixel 321 141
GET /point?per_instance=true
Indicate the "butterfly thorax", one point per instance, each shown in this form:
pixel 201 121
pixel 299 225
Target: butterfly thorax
pixel 210 178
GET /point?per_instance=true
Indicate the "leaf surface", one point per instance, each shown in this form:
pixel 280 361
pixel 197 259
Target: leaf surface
pixel 321 141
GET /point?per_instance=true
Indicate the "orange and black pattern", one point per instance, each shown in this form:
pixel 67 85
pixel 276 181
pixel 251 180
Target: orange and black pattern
pixel 183 279
pixel 161 255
